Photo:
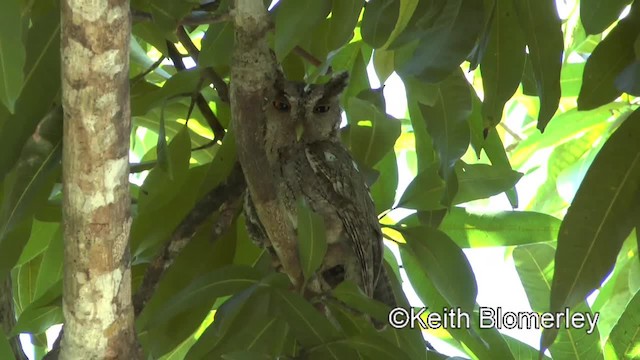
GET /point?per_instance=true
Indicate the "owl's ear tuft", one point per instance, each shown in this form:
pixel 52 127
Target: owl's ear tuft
pixel 336 85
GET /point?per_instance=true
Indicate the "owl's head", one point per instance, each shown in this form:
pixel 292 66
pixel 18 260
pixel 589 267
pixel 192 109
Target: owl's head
pixel 303 113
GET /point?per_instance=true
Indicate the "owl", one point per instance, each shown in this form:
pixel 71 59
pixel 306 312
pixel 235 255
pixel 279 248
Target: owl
pixel 310 163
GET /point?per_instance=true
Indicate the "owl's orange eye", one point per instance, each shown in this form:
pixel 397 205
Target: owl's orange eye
pixel 281 105
pixel 319 109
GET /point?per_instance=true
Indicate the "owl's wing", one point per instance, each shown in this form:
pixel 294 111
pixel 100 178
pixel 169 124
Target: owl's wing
pixel 346 189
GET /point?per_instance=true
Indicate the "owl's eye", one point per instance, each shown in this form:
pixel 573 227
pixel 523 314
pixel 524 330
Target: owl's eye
pixel 281 105
pixel 319 109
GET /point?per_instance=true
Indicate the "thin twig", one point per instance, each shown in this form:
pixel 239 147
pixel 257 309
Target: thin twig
pixel 218 83
pixel 211 118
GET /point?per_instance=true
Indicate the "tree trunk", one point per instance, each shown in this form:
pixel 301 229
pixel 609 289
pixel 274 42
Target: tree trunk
pixel 99 321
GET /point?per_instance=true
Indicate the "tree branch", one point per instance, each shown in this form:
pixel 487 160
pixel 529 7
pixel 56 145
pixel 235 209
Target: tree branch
pixel 252 73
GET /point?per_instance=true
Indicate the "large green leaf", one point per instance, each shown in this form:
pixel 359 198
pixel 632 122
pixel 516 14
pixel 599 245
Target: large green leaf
pixel 145 96
pixel 312 239
pixel 193 264
pixel 479 181
pixel 534 264
pixel 565 127
pixel 597 15
pixel 429 294
pixel 379 20
pixel 503 62
pixel 542 29
pixel 383 190
pixel 447 123
pixel 167 13
pixel 505 228
pixel 609 58
pixel 372 134
pixel 38 320
pixel 27 187
pixel 424 191
pixel 445 264
pixel 344 17
pixel 216 44
pixel 220 282
pixel 599 219
pixel 294 19
pixel 446 42
pixel 12 53
pixel 266 334
pixel 50 271
pixel 309 326
pixel 41 86
pixel 5 347
pixel 625 336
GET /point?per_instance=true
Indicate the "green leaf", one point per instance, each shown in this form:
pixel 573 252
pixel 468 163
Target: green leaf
pixel 50 271
pixel 534 264
pixel 344 17
pixel 597 15
pixel 37 320
pixel 229 333
pixel 167 13
pixel 503 62
pixel 309 326
pixel 383 190
pixel 246 355
pixel 447 122
pixel 372 134
pixel 445 264
pixel 504 228
pixel 28 186
pixel 429 294
pixel 349 293
pixel 383 63
pixel 599 219
pixel 41 86
pixel 479 181
pixel 378 21
pixel 5 347
pixel 145 96
pixel 625 336
pixel 218 37
pixel 565 127
pixel 445 44
pixel 160 185
pixel 220 282
pixel 294 19
pixel 497 154
pixel 424 191
pixel 12 53
pixel 312 239
pixel 41 235
pixel 376 347
pixel 608 59
pixel 543 33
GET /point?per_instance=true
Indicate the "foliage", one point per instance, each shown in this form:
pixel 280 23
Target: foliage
pixel 499 92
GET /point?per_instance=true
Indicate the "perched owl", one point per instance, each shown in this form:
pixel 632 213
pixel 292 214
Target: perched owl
pixel 309 162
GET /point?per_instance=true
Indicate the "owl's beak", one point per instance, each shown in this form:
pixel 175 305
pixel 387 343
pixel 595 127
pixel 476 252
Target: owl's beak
pixel 299 131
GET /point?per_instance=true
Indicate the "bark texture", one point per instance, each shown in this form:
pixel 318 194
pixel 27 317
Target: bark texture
pixel 252 74
pixel 96 206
